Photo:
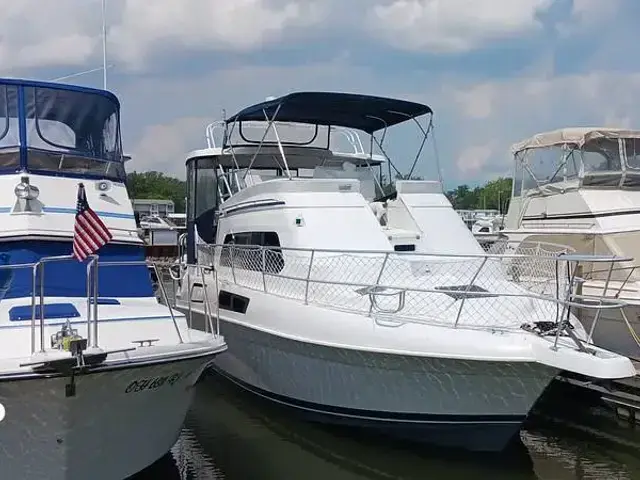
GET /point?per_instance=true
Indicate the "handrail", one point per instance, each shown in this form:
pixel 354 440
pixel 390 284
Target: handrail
pixel 93 264
pixel 373 272
pixel 486 257
pixel 39 266
pixel 201 271
pixel 503 256
pixel 163 291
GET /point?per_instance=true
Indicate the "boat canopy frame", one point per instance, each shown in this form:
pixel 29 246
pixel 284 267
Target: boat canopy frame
pixel 367 113
pixel 613 147
pixel 59 130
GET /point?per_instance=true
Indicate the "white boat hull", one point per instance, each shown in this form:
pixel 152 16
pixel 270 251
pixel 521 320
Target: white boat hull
pixel 476 405
pixel 115 411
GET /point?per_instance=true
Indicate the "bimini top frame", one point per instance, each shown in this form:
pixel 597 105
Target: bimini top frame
pixel 597 157
pixel 361 112
pixel 575 137
pixel 367 113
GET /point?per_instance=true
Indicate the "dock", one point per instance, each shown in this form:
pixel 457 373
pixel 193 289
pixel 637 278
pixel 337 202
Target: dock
pixel 622 396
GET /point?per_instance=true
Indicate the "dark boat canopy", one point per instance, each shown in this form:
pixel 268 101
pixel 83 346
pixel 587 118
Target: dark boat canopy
pixel 361 112
pixel 60 129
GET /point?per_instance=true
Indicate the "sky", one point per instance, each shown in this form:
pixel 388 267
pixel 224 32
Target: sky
pixel 494 71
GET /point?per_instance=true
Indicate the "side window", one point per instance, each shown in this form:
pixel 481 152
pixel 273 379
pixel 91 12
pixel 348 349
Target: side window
pixel 247 254
pixel 517 175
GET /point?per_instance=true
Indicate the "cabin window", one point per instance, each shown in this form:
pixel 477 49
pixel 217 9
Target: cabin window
pixel 206 191
pixel 632 150
pixel 601 156
pixel 410 247
pixel 71 132
pixel 517 175
pixel 202 195
pixel 545 166
pixel 602 163
pixel 247 256
pixel 484 230
pixel 9 134
pixel 233 302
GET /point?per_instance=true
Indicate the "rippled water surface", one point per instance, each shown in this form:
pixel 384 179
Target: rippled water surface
pixel 232 435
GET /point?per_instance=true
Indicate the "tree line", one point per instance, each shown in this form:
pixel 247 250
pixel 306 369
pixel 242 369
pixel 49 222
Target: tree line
pixel 492 195
pixel 157 185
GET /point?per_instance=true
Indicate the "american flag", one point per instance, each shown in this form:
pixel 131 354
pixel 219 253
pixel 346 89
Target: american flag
pixel 89 233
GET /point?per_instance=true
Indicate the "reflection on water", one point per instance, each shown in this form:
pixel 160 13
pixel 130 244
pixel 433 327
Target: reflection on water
pixel 231 435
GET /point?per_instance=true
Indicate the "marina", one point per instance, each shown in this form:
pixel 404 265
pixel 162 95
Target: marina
pixel 225 174
pixel 300 283
pixel 298 286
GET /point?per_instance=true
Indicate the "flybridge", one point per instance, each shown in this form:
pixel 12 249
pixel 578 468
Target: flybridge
pixel 299 130
pixel 298 136
pixel 324 114
pixel 57 129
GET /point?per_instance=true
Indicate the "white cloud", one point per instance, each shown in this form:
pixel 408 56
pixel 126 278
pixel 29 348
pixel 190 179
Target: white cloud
pixel 512 110
pixel 176 124
pixel 588 16
pixel 34 33
pixel 453 25
pixel 476 122
pixel 206 24
pixel 67 32
pixel 589 12
pixel 40 34
pixel 164 148
pixel 478 101
pixel 473 159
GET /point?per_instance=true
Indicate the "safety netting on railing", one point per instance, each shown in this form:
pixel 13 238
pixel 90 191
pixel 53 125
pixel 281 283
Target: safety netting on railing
pixel 476 291
pixel 536 266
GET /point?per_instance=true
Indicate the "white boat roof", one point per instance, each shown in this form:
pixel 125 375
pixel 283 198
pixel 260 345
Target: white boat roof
pixel 577 136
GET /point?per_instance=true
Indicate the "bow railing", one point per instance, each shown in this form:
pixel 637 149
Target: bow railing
pixel 38 294
pixel 533 287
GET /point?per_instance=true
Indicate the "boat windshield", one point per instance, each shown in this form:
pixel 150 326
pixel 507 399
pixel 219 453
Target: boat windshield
pixel 600 162
pixel 58 129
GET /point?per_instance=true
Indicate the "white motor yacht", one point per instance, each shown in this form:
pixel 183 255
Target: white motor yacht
pixel 580 187
pixel 359 305
pixel 96 376
pixel 487 229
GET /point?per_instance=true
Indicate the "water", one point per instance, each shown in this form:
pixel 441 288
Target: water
pixel 232 435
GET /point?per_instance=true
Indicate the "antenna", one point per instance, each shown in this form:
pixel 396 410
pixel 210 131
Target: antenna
pixel 104 67
pixel 104 44
pixel 77 74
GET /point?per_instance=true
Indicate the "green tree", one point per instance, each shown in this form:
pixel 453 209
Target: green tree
pixel 496 194
pixel 493 195
pixel 157 185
